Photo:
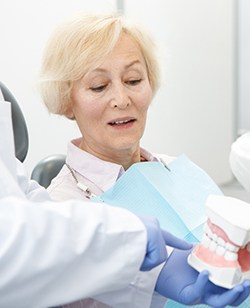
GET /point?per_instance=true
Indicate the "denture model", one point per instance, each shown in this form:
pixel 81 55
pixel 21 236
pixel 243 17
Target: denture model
pixel 225 247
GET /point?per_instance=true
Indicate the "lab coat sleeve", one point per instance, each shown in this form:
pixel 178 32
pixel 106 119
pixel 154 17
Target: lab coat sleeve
pixel 32 190
pixel 140 293
pixel 54 254
pixel 240 160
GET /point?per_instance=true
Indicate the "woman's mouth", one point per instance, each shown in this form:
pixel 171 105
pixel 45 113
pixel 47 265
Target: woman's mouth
pixel 122 123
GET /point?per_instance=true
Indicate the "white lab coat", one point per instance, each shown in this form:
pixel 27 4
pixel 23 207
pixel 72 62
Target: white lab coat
pixel 240 160
pixel 52 254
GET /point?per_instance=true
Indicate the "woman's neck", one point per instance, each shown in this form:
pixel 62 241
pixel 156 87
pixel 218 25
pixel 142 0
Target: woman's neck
pixel 125 158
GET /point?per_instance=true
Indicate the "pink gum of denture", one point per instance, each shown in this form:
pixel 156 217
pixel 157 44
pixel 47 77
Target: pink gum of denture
pixel 210 257
pixel 243 254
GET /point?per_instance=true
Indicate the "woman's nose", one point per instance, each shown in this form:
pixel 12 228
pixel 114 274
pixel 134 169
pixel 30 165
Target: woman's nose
pixel 120 98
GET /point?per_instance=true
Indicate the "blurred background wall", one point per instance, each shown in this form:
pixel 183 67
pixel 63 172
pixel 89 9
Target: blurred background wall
pixel 203 100
pixel 243 61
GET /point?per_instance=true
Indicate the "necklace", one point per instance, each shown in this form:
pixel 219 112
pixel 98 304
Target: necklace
pixel 80 185
pixel 142 159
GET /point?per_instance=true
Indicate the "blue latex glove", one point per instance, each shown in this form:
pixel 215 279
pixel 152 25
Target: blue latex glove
pixel 180 282
pixel 156 251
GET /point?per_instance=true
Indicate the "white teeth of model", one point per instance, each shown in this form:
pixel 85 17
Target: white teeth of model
pixel 231 256
pixel 208 231
pixel 221 242
pixel 214 237
pixel 248 247
pixel 206 240
pixel 231 215
pixel 232 247
pixel 220 251
pixel 212 246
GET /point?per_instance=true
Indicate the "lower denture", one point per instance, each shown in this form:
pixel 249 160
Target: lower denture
pixel 211 258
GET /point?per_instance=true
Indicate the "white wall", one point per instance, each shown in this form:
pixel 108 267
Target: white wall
pixel 243 65
pixel 193 111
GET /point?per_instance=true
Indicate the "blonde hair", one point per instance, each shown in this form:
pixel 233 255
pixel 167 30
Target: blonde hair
pixel 81 43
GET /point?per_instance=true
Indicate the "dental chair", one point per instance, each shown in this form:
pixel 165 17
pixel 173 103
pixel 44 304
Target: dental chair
pixel 21 138
pixel 48 167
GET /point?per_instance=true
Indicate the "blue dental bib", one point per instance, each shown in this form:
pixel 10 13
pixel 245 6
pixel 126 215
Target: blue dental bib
pixel 176 197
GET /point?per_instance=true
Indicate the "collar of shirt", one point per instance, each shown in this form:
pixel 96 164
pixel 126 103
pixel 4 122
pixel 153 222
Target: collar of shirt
pixel 103 173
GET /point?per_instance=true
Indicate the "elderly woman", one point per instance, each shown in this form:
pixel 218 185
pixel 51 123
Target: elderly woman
pixel 102 72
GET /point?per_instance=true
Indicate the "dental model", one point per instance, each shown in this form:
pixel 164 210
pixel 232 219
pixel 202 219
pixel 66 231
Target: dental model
pixel 225 247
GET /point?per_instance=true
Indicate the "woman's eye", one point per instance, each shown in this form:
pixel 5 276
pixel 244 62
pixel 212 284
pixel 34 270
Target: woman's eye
pixel 98 88
pixel 134 82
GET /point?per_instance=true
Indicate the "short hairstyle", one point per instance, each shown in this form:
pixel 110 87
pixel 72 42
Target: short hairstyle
pixel 80 43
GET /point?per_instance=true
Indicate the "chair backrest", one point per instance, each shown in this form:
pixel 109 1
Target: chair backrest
pixel 47 169
pixel 21 137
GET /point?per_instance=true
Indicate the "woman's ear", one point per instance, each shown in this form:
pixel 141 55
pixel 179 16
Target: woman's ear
pixel 70 116
pixel 69 113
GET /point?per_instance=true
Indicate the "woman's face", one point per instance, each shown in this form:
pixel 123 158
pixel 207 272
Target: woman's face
pixel 110 102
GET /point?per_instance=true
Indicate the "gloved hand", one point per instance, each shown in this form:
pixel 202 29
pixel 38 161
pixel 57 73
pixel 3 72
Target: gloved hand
pixel 156 243
pixel 180 282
